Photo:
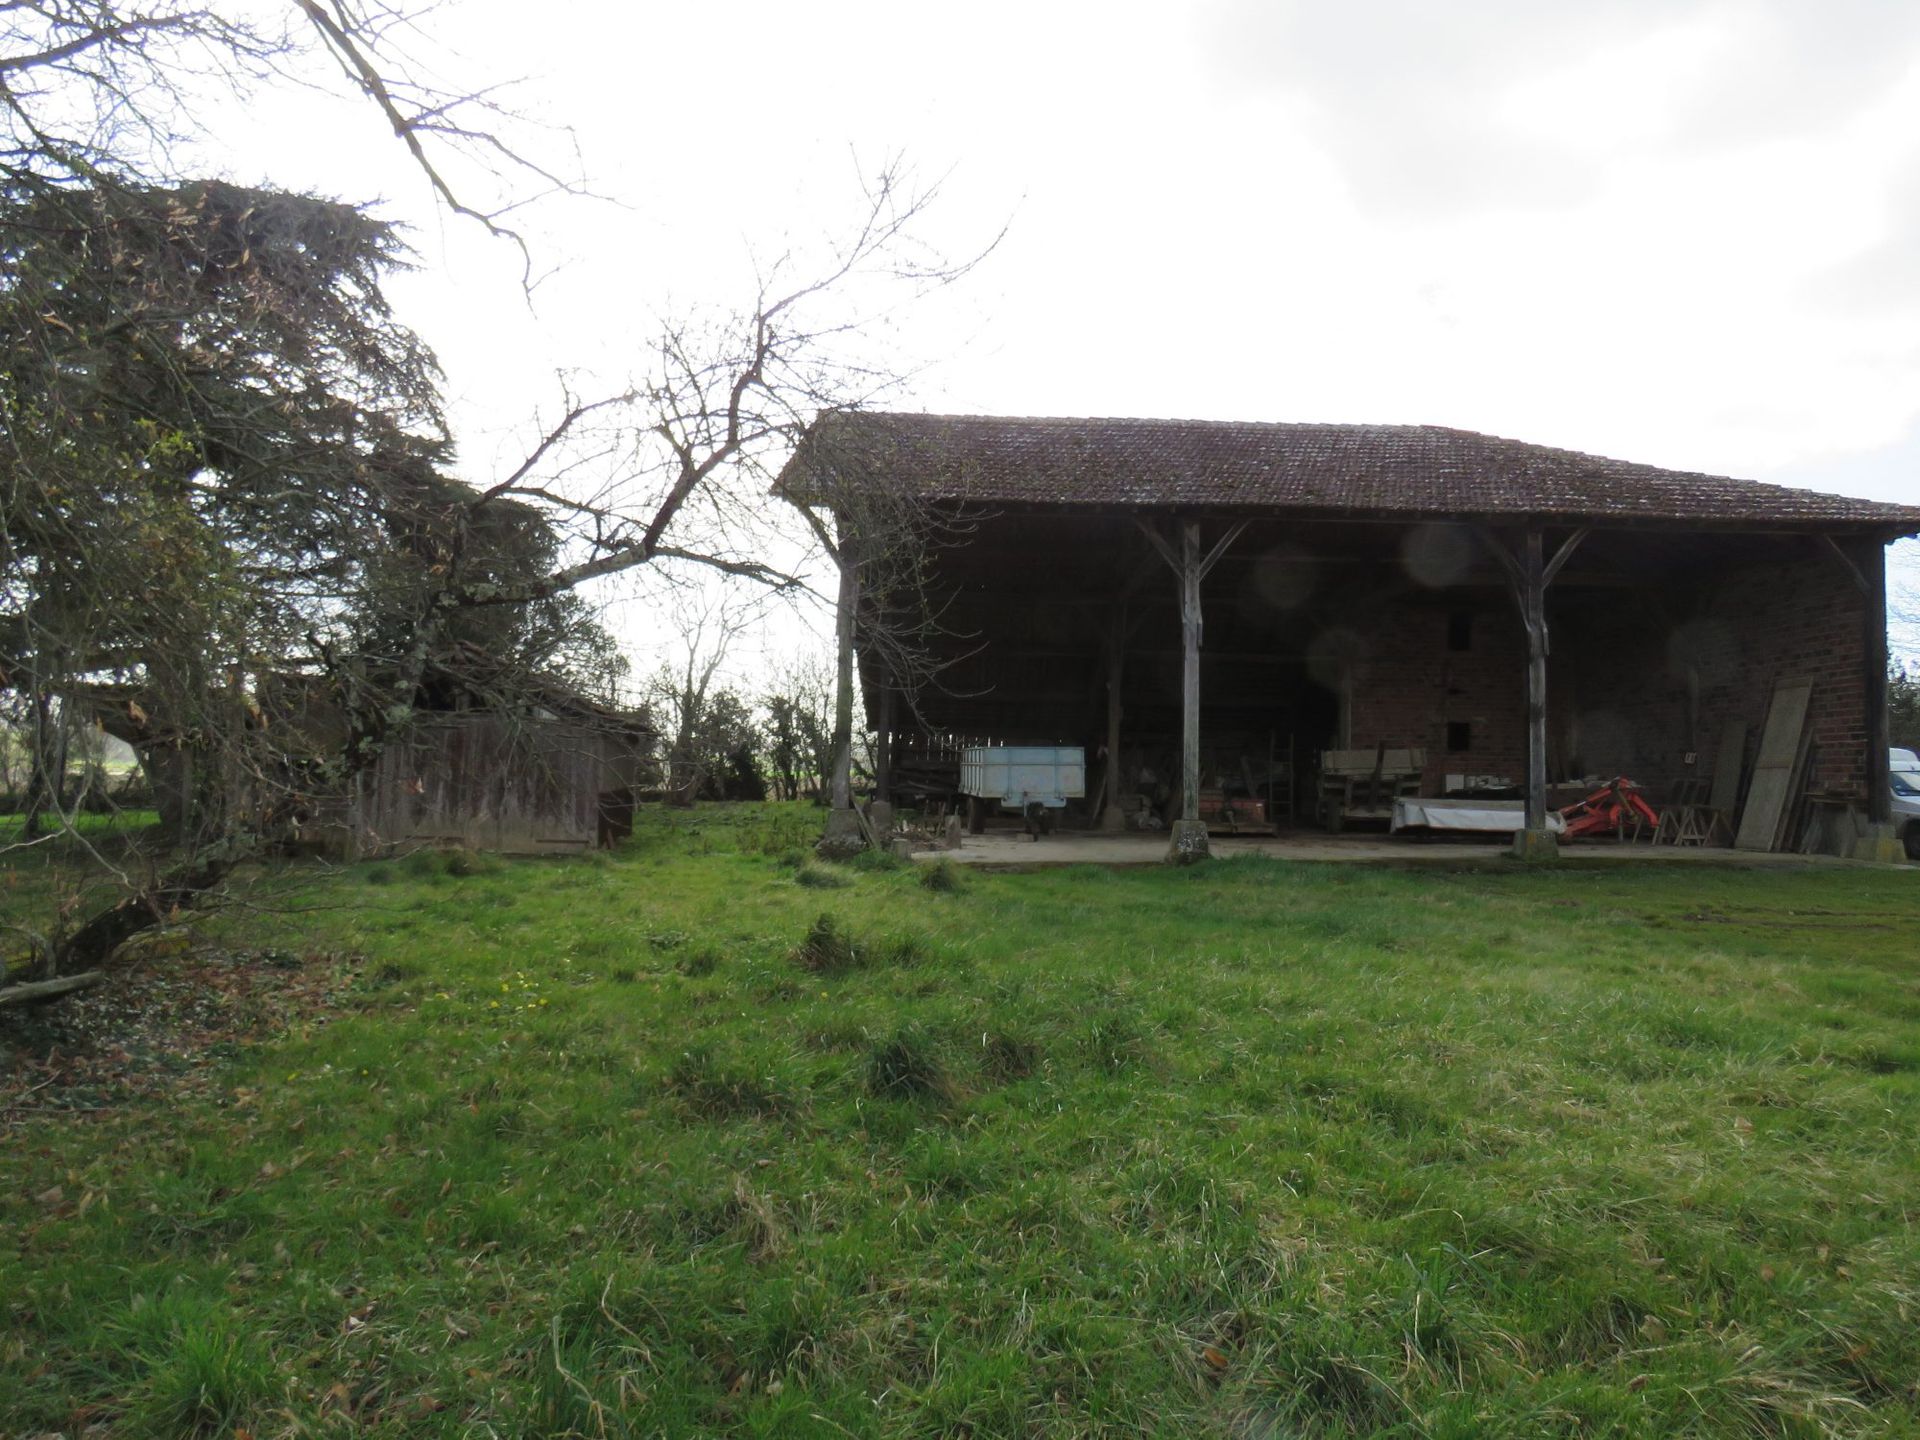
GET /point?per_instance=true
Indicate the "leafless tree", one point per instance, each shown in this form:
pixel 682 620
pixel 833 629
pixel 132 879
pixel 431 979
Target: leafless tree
pixel 117 89
pixel 881 539
pixel 347 556
pixel 706 627
pixel 673 471
pixel 799 701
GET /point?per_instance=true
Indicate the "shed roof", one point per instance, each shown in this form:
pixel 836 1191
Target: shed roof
pixel 1350 471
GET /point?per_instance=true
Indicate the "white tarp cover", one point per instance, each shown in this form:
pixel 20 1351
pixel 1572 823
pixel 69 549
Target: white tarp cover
pixel 1499 816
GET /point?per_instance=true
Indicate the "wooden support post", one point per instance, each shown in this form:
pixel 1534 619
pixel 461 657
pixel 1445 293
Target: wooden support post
pixel 1190 670
pixel 1110 816
pixel 1873 635
pixel 1866 565
pixel 1530 573
pixel 1189 842
pixel 1533 614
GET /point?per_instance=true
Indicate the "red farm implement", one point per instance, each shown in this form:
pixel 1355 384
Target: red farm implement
pixel 1616 808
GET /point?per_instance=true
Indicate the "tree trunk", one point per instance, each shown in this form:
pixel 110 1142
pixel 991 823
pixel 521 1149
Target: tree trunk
pixel 169 777
pixel 62 753
pixel 196 881
pixel 185 887
pixel 883 752
pixel 37 784
pixel 683 777
pixel 843 691
pixel 36 990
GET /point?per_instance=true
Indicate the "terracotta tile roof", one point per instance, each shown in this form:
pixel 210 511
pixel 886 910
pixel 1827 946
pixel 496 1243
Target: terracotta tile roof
pixel 1409 471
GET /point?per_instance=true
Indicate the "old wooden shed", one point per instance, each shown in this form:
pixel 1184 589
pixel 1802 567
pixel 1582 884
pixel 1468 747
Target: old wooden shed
pixel 517 783
pixel 1189 599
pixel 518 763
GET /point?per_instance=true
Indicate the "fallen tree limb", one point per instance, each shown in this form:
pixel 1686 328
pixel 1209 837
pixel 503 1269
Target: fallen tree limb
pixel 48 989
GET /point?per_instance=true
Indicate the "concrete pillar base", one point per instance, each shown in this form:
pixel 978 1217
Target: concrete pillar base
pixel 902 848
pixel 1535 845
pixel 843 839
pixel 880 812
pixel 1880 845
pixel 1113 820
pixel 955 832
pixel 1188 843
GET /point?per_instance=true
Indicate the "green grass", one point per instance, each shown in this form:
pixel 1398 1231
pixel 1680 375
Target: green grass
pixel 684 1142
pixel 117 824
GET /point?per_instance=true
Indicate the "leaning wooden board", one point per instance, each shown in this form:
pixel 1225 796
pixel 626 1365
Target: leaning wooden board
pixel 1772 787
pixel 1727 765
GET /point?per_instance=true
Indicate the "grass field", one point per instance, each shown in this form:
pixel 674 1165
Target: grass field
pixel 91 827
pixel 701 1139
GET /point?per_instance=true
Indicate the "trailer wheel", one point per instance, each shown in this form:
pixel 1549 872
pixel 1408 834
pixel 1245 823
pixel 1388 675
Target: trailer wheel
pixel 976 815
pixel 1046 822
pixel 1911 839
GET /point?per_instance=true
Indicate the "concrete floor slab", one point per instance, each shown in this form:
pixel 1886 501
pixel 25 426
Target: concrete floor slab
pixel 1082 847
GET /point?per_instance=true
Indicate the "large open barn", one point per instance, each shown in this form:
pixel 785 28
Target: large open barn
pixel 1488 617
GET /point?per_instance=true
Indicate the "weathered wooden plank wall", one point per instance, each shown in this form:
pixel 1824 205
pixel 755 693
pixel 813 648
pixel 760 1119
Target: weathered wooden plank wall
pixel 492 782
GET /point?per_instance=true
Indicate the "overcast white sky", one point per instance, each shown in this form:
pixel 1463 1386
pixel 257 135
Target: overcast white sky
pixel 1685 232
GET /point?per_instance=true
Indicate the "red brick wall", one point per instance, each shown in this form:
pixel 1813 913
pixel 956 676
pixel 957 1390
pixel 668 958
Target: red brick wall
pixel 1798 621
pixel 1619 699
pixel 1620 670
pixel 1618 677
pixel 1409 685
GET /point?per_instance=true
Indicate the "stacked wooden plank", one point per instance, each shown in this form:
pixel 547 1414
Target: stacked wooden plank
pixel 1728 765
pixel 1780 770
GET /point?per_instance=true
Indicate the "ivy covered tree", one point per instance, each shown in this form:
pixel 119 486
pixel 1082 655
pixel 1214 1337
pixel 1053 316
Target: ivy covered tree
pixel 217 441
pixel 213 429
pixel 225 485
pixel 223 508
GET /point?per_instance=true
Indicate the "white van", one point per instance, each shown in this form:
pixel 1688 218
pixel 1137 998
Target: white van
pixel 1905 765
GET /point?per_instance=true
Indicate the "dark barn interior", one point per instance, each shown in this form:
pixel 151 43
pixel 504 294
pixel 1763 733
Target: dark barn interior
pixel 1351 635
pixel 1369 595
